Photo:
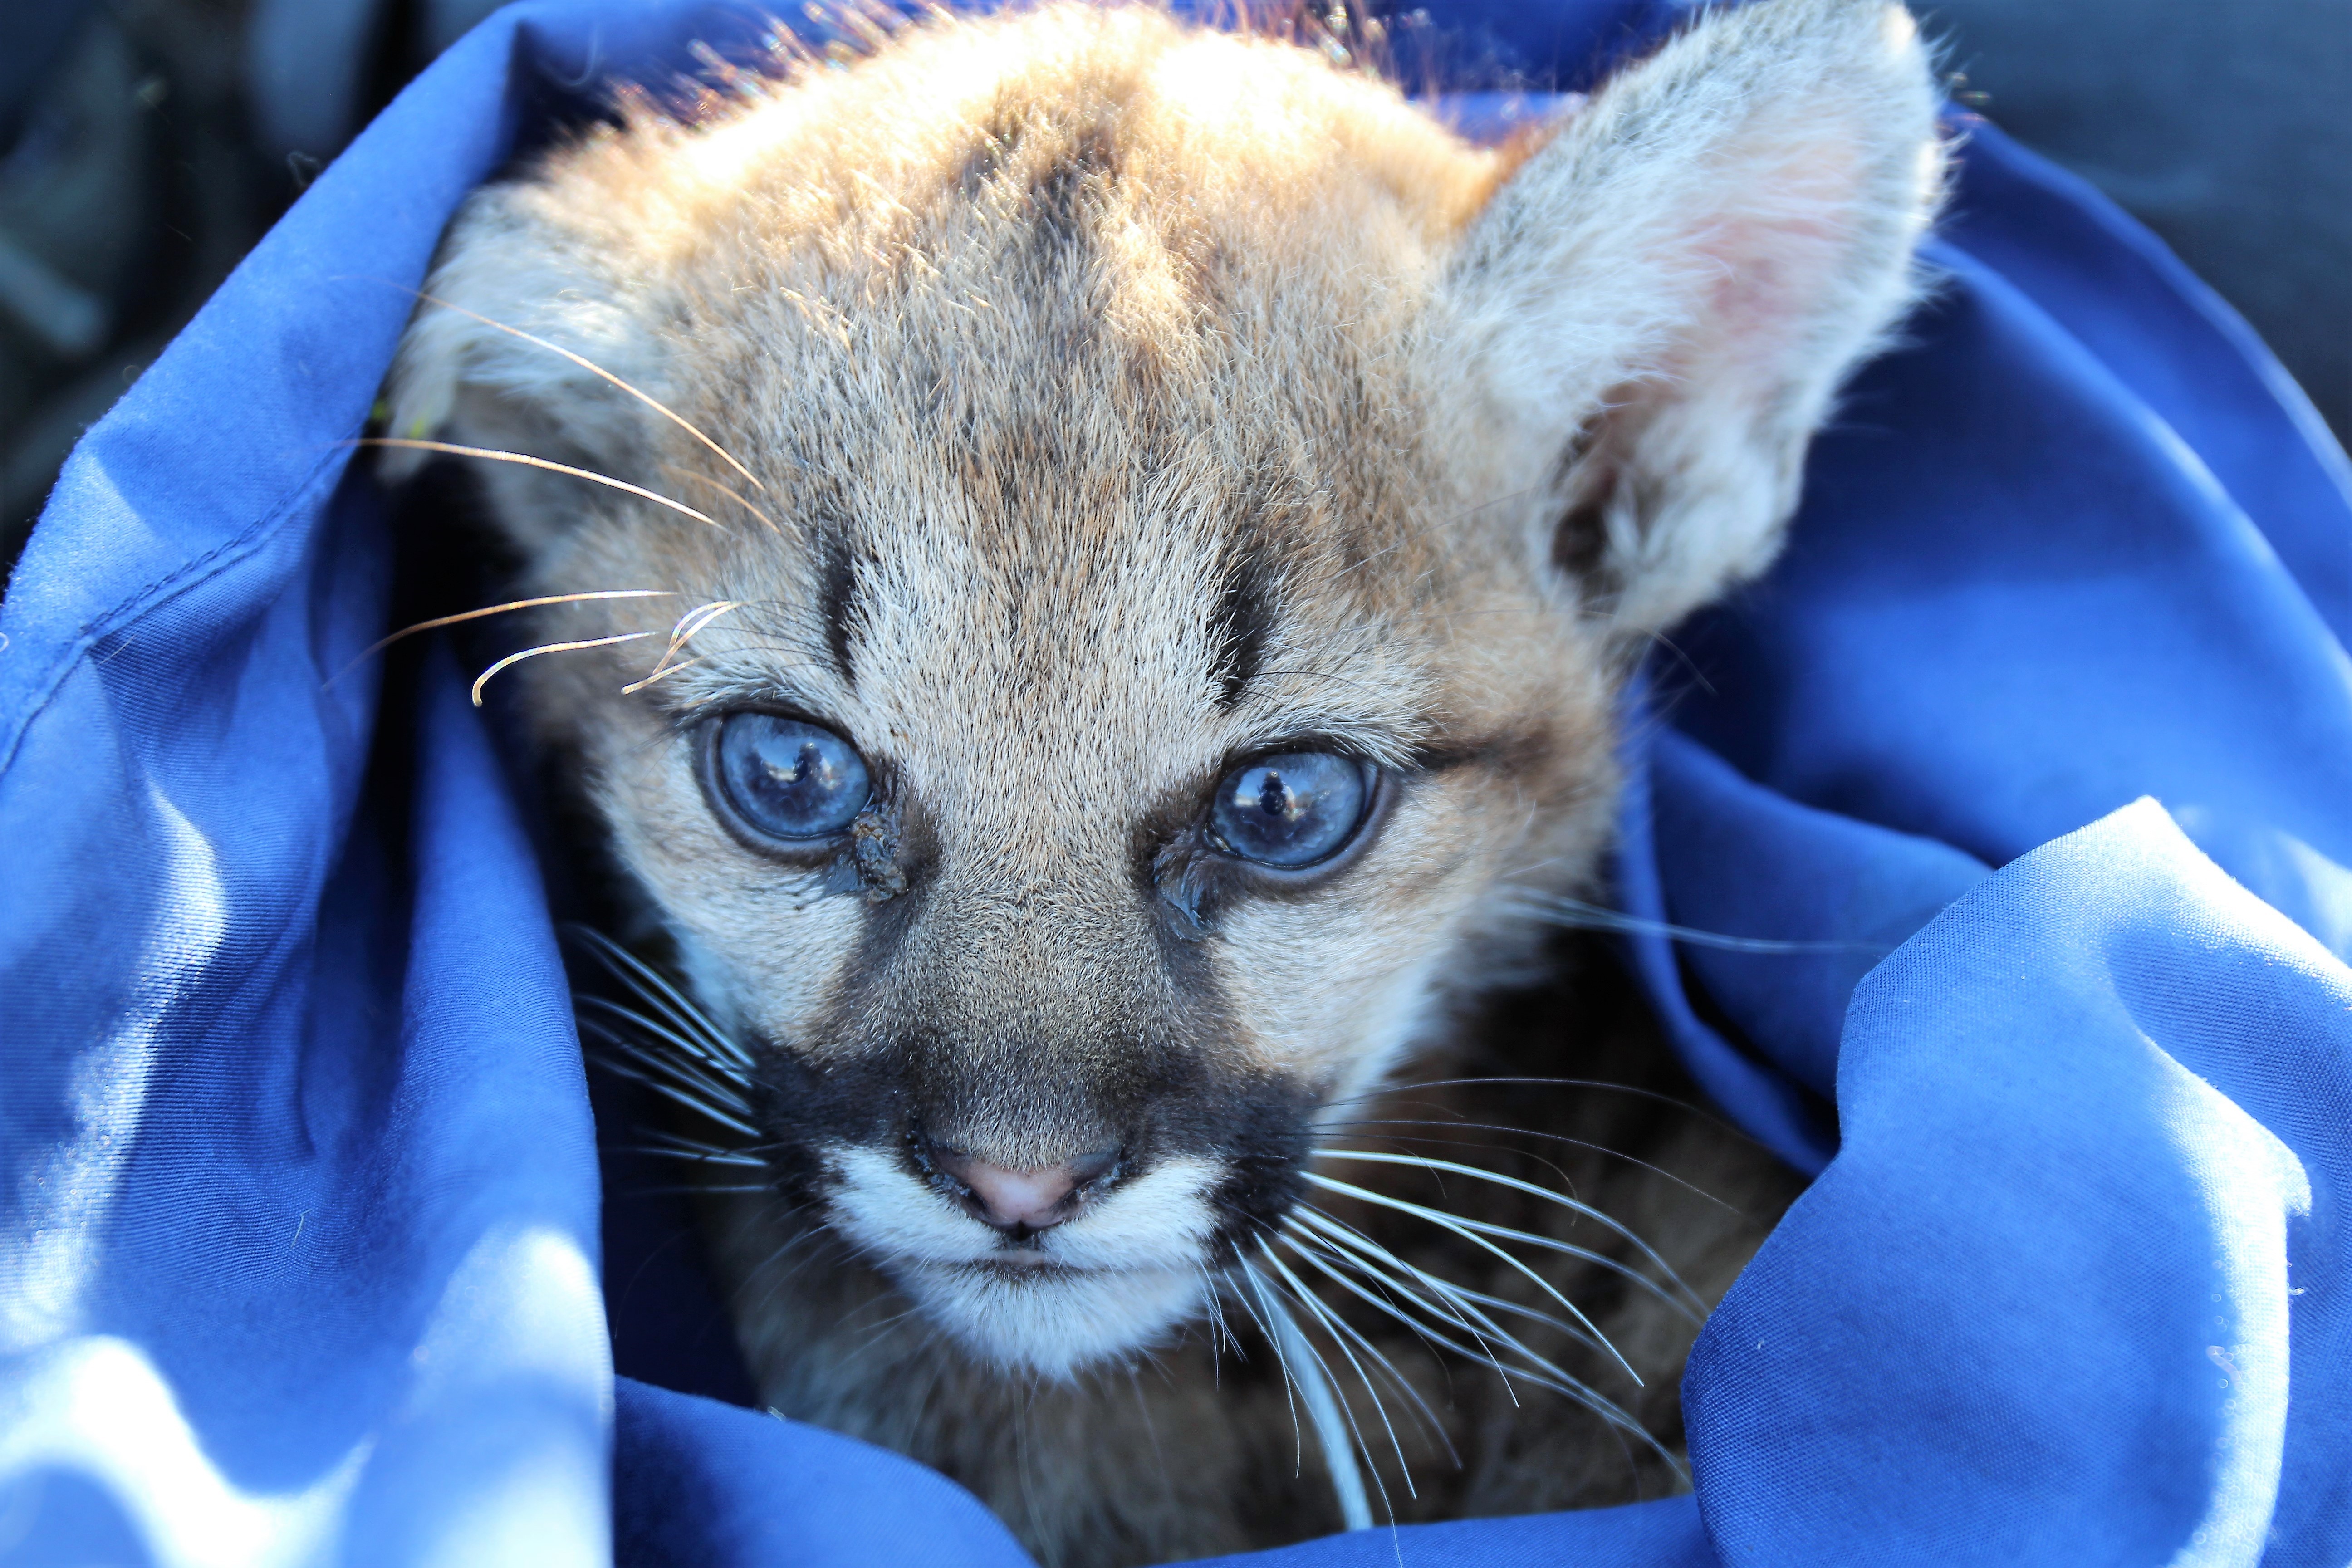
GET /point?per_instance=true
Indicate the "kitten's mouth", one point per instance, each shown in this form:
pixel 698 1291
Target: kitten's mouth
pixel 1027 1263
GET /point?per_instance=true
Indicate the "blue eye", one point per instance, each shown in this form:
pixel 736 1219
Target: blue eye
pixel 787 779
pixel 1292 810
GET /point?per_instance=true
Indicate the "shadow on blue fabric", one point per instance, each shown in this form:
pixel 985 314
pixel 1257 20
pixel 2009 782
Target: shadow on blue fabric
pixel 2039 739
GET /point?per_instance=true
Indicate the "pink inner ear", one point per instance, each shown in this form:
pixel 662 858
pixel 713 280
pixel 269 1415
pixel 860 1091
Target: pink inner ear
pixel 1692 266
pixel 1781 247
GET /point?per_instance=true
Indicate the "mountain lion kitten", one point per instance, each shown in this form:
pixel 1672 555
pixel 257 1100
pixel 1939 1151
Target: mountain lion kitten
pixel 1096 559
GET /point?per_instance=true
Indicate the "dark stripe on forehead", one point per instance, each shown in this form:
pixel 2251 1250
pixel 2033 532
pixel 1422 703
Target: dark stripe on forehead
pixel 1067 192
pixel 1241 622
pixel 836 600
pixel 1058 168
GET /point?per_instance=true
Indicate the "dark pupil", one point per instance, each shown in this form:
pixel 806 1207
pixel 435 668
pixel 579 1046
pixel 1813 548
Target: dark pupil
pixel 1290 810
pixel 790 779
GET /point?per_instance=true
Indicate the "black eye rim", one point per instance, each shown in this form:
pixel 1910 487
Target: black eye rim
pixel 818 851
pixel 1380 789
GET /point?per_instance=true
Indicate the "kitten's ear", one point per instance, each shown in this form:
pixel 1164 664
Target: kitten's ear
pixel 470 373
pixel 1650 317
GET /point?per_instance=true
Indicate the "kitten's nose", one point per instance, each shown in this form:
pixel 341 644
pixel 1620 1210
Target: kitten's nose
pixel 1022 1200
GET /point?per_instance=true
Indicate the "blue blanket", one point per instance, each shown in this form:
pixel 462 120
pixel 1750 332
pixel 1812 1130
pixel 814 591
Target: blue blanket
pixel 2022 790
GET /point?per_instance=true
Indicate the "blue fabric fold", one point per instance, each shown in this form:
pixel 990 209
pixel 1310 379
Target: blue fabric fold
pixel 299 1238
pixel 2074 1289
pixel 697 1482
pixel 2016 597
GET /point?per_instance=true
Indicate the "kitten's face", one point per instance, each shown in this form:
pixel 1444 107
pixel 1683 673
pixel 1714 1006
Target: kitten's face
pixel 1131 673
pixel 1102 769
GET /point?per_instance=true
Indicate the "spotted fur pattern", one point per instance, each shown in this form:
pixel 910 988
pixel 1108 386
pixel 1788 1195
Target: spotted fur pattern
pixel 1065 406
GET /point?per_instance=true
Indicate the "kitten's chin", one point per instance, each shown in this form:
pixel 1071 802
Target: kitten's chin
pixel 1049 1321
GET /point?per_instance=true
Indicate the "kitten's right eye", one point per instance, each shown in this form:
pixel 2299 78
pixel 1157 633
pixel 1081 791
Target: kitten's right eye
pixel 787 779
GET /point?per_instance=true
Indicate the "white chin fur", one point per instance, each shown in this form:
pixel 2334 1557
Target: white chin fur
pixel 1054 1322
pixel 1109 1282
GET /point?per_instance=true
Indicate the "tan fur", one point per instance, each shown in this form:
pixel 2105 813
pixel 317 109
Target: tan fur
pixel 1113 401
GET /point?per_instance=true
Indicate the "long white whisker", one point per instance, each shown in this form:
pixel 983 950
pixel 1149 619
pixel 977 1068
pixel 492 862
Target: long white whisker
pixel 689 625
pixel 1374 1262
pixel 698 1106
pixel 635 1056
pixel 654 989
pixel 1635 1090
pixel 1461 1229
pixel 1541 1370
pixel 1219 1330
pixel 1465 1294
pixel 1323 1316
pixel 633 687
pixel 1635 1160
pixel 699 1156
pixel 681 1073
pixel 1363 1246
pixel 702 615
pixel 1323 1407
pixel 1423 1291
pixel 679 1080
pixel 1545 1374
pixel 652 1070
pixel 1289 1380
pixel 681 1143
pixel 1575 912
pixel 1456 1168
pixel 700 1061
pixel 686 1047
pixel 1308 1248
pixel 657 992
pixel 607 1020
pixel 1342 1334
pixel 1459 1298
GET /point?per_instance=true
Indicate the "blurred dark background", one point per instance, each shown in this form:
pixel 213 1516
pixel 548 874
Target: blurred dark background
pixel 2223 125
pixel 146 144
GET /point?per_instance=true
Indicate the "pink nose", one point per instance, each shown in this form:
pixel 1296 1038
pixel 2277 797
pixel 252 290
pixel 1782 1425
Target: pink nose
pixel 1027 1200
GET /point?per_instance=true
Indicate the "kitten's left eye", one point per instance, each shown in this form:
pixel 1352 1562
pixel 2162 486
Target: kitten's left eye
pixel 1291 810
pixel 788 779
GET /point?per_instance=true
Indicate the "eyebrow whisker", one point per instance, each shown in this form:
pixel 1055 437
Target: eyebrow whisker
pixel 483 679
pixel 633 687
pixel 690 625
pixel 594 369
pixel 451 448
pixel 437 622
